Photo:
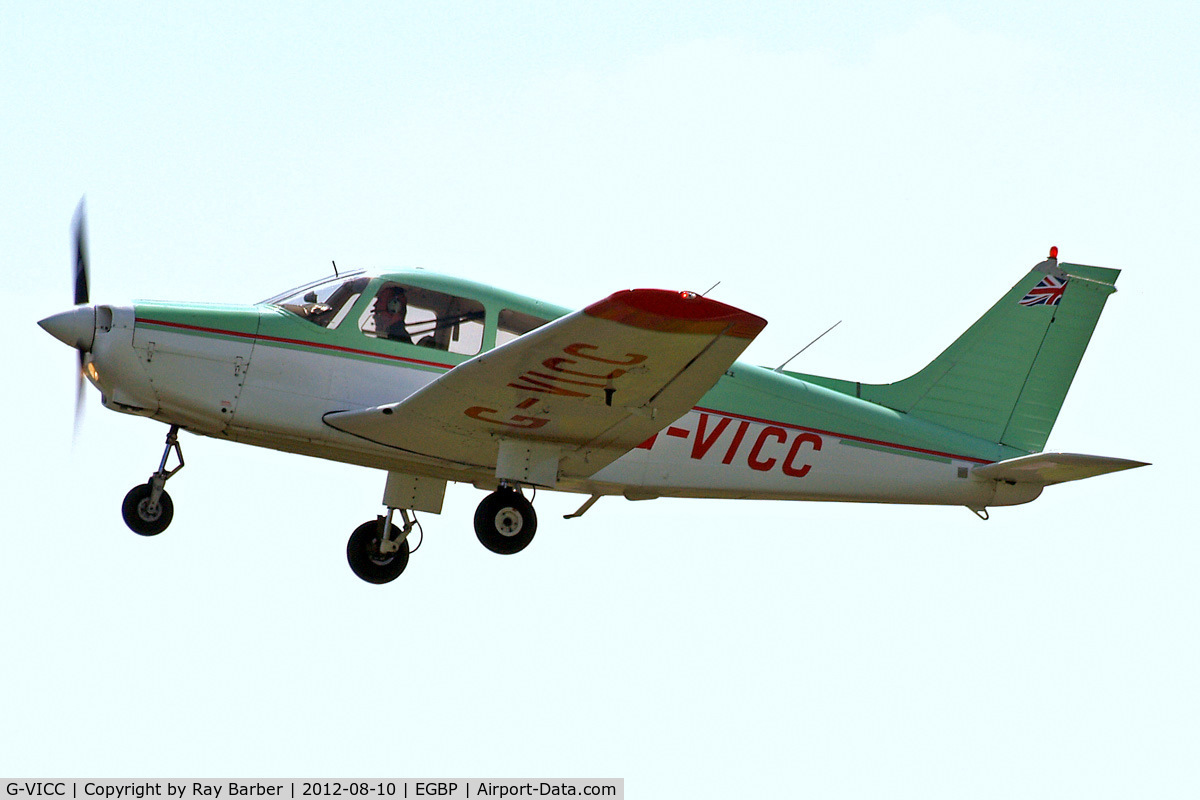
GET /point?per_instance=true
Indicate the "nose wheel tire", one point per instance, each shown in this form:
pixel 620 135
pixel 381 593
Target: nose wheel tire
pixel 366 559
pixel 505 522
pixel 143 517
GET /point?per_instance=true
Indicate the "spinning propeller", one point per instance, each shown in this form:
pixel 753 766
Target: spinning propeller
pixel 77 327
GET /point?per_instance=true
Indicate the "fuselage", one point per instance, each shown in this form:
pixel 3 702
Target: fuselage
pixel 267 374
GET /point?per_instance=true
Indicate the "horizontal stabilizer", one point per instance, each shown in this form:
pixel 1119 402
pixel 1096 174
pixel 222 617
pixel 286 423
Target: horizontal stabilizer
pixel 1050 468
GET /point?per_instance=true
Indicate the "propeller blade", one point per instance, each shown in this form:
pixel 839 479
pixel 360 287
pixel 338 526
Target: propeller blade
pixel 79 405
pixel 79 227
pixel 79 230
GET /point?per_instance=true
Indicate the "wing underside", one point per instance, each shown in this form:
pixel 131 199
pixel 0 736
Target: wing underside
pixel 578 392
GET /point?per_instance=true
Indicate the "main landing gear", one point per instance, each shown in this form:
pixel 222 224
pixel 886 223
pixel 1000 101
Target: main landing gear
pixel 147 508
pixel 378 551
pixel 505 521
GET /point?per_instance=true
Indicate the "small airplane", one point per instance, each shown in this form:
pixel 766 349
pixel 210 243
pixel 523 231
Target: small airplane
pixel 435 379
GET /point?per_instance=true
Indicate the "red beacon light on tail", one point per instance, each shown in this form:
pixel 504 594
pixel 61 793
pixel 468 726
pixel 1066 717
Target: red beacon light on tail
pixel 1054 252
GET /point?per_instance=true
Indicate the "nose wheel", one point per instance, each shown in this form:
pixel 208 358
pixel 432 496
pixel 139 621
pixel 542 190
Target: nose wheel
pixel 144 515
pixel 147 509
pixel 505 521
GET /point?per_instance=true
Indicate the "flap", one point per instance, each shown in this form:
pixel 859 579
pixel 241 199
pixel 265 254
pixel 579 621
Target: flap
pixel 1051 468
pixel 597 383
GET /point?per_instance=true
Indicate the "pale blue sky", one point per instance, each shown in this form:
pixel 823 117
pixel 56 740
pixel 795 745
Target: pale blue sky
pixel 895 166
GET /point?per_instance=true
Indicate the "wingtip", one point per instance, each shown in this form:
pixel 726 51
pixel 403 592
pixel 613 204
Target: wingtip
pixel 676 312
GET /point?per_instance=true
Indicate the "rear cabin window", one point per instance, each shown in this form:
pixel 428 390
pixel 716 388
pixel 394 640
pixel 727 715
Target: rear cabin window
pixel 426 318
pixel 512 324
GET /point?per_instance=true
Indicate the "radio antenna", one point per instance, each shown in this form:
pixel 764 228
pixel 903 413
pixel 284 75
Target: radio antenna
pixel 709 289
pixel 810 344
pixel 335 272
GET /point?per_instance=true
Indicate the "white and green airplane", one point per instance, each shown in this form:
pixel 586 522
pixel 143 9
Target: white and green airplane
pixel 435 379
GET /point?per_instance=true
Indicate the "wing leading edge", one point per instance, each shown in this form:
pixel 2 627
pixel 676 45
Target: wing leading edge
pixel 580 391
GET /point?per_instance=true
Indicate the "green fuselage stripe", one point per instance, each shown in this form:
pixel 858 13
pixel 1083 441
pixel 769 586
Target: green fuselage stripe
pixel 432 366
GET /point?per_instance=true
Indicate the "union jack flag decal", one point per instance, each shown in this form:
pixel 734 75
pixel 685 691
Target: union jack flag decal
pixel 1047 293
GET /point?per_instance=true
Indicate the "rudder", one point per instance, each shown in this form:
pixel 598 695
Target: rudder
pixel 1057 360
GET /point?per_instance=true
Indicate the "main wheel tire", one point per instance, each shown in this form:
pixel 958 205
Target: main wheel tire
pixel 505 522
pixel 142 518
pixel 362 551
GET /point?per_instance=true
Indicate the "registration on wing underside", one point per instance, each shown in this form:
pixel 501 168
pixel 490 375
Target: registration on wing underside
pixel 595 383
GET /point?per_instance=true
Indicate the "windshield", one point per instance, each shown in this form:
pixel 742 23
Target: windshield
pixel 324 302
pixel 299 290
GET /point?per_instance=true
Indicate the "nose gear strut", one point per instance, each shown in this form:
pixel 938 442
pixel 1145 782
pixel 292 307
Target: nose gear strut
pixel 147 508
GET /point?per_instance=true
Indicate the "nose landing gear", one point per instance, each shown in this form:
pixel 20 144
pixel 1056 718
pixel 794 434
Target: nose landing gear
pixel 147 508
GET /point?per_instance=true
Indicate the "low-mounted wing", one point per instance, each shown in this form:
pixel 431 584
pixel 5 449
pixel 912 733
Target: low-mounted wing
pixel 587 387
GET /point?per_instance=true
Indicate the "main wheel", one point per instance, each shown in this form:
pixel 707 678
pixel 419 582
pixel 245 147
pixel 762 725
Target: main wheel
pixel 505 522
pixel 143 518
pixel 368 563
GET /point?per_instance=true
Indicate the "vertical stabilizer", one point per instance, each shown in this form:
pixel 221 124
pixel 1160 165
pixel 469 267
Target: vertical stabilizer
pixel 1005 379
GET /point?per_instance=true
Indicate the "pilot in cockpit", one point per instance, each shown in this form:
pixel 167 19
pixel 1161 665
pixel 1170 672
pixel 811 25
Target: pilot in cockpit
pixel 391 306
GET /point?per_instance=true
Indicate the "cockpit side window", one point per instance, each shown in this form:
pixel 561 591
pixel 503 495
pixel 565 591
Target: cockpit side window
pixel 326 304
pixel 424 317
pixel 512 324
